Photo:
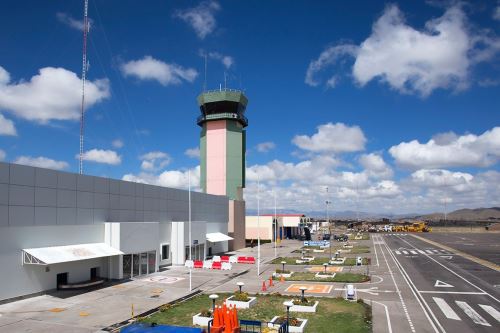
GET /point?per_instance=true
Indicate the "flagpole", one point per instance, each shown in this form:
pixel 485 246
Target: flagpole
pixel 275 225
pixel 258 226
pixel 190 241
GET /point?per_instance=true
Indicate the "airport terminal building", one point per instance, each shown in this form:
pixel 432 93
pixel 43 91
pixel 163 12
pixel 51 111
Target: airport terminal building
pixel 59 228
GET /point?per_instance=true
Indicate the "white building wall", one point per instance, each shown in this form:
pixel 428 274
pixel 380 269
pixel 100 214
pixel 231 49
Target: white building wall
pixel 37 206
pixel 17 279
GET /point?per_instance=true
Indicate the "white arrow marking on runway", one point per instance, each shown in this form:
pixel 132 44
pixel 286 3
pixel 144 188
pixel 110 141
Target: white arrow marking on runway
pixel 491 311
pixel 442 284
pixel 476 317
pixel 446 257
pixel 447 310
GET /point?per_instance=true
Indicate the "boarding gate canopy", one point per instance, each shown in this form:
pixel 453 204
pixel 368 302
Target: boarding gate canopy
pixel 60 254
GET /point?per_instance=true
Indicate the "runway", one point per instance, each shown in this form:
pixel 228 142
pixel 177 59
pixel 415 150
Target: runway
pixel 454 294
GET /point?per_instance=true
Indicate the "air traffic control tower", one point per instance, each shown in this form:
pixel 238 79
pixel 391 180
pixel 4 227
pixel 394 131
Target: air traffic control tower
pixel 222 153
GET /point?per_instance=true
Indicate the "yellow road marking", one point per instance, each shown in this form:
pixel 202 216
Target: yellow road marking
pixel 57 309
pixel 477 260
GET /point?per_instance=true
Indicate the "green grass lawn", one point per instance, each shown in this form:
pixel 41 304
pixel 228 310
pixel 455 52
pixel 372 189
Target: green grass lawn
pixel 354 250
pixel 339 277
pixel 316 261
pixel 333 314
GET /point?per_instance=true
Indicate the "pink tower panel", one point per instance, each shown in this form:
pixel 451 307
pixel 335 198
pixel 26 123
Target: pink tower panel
pixel 216 157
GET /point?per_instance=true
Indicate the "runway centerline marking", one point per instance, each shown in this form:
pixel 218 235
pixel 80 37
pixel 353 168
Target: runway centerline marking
pixel 451 292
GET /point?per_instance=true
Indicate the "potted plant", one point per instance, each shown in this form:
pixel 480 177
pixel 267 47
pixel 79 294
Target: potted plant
pixel 297 325
pixel 202 318
pixel 285 273
pixel 241 300
pixel 303 305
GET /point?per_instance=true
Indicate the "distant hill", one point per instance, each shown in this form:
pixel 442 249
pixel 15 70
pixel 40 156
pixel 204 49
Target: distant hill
pixel 466 214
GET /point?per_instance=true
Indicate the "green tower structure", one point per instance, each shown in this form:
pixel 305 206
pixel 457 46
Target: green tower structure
pixel 223 142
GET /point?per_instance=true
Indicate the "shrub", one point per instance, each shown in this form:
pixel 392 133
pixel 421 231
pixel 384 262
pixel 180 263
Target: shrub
pixel 280 271
pixel 300 302
pixel 241 297
pixel 293 321
pixel 206 313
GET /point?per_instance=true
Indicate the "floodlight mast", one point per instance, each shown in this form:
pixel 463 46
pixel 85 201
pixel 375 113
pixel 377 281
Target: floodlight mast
pixel 84 73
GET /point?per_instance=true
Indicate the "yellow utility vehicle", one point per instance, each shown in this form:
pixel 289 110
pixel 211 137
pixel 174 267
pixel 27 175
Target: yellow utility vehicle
pixel 419 227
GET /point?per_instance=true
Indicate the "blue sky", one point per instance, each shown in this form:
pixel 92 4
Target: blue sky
pixel 394 106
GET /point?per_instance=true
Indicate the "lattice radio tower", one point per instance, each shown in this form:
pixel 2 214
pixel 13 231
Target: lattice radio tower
pixel 84 72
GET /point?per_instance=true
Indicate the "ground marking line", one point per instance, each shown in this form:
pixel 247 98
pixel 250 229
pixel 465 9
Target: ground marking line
pixel 421 252
pixel 446 309
pixel 397 288
pixel 442 284
pixel 375 248
pixel 476 317
pixel 450 292
pixel 389 327
pixel 456 274
pixel 421 301
pixel 463 254
pixel 491 311
pixel 397 252
pixel 428 251
pixel 405 252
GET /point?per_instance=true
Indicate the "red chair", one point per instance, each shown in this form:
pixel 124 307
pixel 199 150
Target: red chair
pixel 224 258
pixel 198 264
pixel 216 265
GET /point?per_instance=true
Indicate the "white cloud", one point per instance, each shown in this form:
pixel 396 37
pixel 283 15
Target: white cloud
pixel 117 143
pixel 7 126
pixel 496 13
pixel 2 155
pixel 410 60
pixel 71 22
pixel 375 165
pixel 336 138
pixel 193 152
pixel 41 162
pixel 102 156
pixel 53 94
pixel 166 74
pixel 265 147
pixel 450 150
pixel 201 18
pixel 226 60
pixel 171 178
pixel 155 160
pixel 440 178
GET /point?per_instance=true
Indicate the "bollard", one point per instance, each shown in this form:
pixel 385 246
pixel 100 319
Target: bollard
pixel 270 281
pixel 264 288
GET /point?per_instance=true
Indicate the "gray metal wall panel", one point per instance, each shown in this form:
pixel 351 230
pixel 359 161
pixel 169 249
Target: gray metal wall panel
pixel 66 181
pixel 101 185
pixel 21 216
pixel 22 175
pixel 4 194
pixel 84 199
pixel 66 198
pixel 45 178
pixel 21 195
pixel 66 216
pixel 4 173
pixel 45 215
pixel 4 216
pixel 45 197
pixel 85 183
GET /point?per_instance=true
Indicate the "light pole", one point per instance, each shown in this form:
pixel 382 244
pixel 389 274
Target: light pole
pixel 303 290
pixel 190 241
pixel 328 221
pixel 283 266
pixel 240 285
pixel 213 297
pixel 288 305
pixel 275 225
pixel 258 227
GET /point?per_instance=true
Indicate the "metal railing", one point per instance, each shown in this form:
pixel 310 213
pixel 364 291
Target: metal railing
pixel 225 115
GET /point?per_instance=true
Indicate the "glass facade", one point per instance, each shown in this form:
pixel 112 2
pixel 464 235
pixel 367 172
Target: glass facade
pixel 138 264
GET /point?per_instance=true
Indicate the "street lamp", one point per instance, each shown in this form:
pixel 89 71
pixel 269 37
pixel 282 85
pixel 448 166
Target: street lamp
pixel 283 266
pixel 213 297
pixel 325 265
pixel 288 305
pixel 303 290
pixel 240 285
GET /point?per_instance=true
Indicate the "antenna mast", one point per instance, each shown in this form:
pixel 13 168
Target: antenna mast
pixel 84 72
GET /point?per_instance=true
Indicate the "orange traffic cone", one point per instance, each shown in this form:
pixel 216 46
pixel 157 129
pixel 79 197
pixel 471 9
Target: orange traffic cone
pixel 227 323
pixel 270 281
pixel 264 288
pixel 282 278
